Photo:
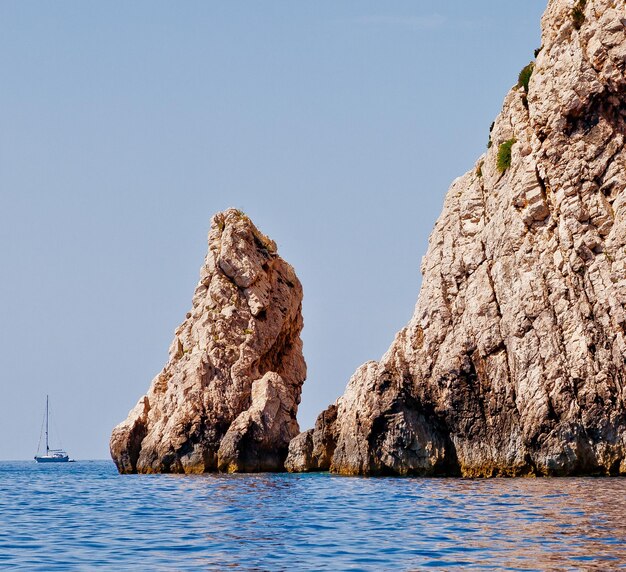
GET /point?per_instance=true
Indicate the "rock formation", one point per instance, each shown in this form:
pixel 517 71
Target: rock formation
pixel 228 396
pixel 514 360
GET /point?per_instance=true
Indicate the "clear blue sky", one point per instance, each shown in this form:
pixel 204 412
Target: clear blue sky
pixel 336 125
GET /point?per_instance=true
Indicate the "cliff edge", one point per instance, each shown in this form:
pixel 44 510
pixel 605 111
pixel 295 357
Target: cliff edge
pixel 514 360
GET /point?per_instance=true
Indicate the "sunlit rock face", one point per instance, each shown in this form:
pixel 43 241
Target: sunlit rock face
pixel 514 360
pixel 228 396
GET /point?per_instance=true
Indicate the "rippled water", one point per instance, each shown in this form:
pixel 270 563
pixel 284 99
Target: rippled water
pixel 85 516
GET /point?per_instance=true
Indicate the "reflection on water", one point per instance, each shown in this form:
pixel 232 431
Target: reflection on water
pixel 85 516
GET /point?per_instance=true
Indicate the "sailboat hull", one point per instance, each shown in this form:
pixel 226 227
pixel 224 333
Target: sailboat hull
pixel 52 459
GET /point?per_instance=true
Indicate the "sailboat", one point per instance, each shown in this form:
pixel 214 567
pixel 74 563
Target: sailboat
pixel 52 455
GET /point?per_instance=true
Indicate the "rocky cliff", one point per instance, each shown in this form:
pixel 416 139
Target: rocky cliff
pixel 514 360
pixel 228 396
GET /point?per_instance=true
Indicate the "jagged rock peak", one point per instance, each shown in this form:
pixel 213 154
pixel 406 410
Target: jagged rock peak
pixel 228 396
pixel 514 360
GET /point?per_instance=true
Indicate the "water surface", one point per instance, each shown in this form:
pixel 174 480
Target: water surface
pixel 84 516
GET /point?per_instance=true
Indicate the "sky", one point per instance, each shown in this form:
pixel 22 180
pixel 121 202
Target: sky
pixel 336 125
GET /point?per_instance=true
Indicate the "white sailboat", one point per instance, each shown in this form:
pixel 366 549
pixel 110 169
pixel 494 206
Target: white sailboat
pixel 52 455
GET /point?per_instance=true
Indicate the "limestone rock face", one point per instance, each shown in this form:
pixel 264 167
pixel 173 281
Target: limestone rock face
pixel 312 450
pixel 228 396
pixel 514 360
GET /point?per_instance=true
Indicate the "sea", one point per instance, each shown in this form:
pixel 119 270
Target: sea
pixel 84 516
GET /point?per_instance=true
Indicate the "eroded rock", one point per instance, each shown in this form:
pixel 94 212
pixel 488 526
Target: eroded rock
pixel 514 360
pixel 228 397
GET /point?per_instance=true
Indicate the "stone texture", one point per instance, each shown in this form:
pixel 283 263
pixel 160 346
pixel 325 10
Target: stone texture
pixel 227 398
pixel 312 450
pixel 514 360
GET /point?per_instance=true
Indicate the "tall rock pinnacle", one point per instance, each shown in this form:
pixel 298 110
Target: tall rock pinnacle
pixel 228 396
pixel 514 360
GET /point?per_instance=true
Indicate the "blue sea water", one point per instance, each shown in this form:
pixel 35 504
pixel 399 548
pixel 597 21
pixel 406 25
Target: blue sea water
pixel 84 516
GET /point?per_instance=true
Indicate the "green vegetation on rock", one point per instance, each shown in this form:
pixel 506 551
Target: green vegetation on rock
pixel 504 155
pixel 524 76
pixel 490 142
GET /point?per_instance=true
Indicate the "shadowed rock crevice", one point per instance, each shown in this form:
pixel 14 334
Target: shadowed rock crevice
pixel 228 397
pixel 606 107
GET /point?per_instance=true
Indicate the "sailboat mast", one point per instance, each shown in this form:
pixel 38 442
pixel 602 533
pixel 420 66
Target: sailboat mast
pixel 47 448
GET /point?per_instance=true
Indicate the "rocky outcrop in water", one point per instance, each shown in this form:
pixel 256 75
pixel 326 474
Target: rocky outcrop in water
pixel 227 398
pixel 514 360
